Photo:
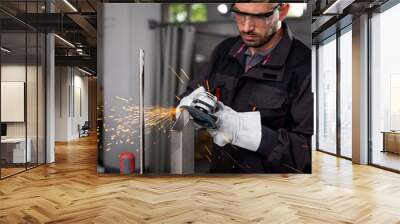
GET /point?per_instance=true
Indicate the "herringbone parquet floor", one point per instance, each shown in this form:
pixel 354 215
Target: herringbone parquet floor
pixel 70 191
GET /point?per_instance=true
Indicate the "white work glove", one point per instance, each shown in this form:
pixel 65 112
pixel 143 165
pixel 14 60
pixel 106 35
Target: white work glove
pixel 187 100
pixel 242 129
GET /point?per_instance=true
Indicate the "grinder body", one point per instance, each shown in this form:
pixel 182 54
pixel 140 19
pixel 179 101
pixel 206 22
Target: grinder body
pixel 202 110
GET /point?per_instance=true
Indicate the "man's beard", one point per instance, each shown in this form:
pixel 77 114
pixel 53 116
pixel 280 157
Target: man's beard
pixel 259 43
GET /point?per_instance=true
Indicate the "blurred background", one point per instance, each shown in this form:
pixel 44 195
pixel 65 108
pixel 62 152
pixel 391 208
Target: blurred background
pixel 178 40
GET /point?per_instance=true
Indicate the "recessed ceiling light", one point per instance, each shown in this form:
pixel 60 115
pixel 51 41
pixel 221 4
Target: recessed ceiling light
pixel 5 50
pixel 70 5
pixel 337 7
pixel 64 40
pixel 84 71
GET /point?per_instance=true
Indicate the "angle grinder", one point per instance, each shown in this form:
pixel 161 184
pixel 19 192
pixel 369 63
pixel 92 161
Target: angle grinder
pixel 202 110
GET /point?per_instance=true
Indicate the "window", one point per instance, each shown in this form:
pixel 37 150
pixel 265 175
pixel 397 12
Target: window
pixel 196 12
pixel 385 89
pixel 346 93
pixel 177 13
pixel 327 96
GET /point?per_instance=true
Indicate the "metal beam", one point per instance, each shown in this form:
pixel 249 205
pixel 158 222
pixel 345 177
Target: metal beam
pixel 337 7
pixel 49 22
pixel 84 24
pixel 320 22
pixel 83 61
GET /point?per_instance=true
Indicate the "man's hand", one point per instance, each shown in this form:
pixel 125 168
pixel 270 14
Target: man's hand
pixel 187 100
pixel 240 129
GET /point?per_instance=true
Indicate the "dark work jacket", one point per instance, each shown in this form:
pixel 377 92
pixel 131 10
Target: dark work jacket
pixel 280 88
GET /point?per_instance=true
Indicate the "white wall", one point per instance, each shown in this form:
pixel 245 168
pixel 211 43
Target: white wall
pixel 70 83
pixel 33 126
pixel 61 103
pixel 123 30
pixel 16 73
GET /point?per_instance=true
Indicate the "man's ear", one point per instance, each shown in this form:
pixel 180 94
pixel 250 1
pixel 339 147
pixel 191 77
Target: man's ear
pixel 284 10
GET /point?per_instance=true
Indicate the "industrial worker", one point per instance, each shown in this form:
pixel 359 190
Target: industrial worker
pixel 262 80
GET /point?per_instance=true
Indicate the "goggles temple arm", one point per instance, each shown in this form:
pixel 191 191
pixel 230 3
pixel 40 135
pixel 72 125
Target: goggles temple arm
pixel 267 14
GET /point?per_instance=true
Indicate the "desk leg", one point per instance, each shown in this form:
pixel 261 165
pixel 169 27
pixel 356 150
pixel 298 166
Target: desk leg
pixel 384 142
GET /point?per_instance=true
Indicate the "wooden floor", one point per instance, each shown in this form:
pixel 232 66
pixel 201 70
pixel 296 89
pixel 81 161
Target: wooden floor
pixel 70 191
pixel 10 171
pixel 5 172
pixel 387 159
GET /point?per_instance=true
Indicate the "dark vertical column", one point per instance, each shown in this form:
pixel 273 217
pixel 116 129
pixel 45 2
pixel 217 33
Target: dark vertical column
pixel 369 90
pixel 37 89
pixel 141 109
pixel 317 96
pixel 26 86
pixel 338 91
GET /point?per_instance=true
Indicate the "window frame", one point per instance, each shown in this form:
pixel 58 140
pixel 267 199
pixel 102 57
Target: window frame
pixel 333 37
pixel 371 13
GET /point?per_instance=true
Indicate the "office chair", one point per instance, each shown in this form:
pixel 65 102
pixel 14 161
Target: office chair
pixel 84 130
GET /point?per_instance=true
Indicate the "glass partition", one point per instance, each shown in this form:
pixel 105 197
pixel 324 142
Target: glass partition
pixel 31 100
pixel 14 153
pixel 41 111
pixel 346 93
pixel 327 96
pixel 22 90
pixel 385 89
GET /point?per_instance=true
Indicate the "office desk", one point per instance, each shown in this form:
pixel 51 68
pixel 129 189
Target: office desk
pixel 13 150
pixel 391 141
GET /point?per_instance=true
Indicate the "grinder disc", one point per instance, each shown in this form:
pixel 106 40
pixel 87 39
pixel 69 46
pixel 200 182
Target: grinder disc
pixel 201 118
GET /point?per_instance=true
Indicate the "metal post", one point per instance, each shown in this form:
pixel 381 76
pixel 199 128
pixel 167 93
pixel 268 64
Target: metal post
pixel 141 108
pixel 182 145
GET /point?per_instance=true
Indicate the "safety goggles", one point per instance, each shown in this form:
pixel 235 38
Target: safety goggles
pixel 258 18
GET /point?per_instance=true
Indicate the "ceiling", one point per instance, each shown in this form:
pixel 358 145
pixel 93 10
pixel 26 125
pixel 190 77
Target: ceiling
pixel 77 25
pixel 76 22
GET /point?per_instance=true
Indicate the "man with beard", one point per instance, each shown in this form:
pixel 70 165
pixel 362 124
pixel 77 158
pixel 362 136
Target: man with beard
pixel 262 80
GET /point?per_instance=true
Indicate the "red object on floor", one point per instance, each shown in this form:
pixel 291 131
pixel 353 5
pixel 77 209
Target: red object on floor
pixel 126 162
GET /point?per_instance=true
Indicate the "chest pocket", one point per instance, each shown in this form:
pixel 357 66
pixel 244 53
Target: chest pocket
pixel 224 84
pixel 272 104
